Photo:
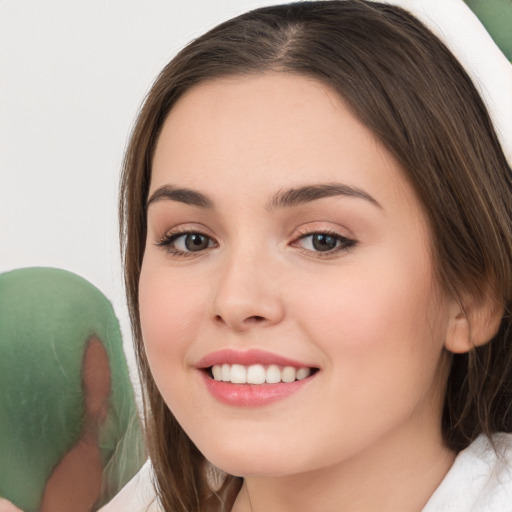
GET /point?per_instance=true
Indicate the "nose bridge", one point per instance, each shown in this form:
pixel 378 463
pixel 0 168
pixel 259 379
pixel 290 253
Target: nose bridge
pixel 246 293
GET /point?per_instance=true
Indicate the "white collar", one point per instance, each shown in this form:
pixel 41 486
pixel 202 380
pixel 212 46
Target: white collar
pixel 480 479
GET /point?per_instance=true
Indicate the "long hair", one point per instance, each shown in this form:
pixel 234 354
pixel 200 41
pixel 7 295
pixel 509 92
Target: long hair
pixel 410 91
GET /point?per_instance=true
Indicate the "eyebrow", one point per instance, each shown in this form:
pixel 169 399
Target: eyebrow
pixel 308 193
pixel 283 199
pixel 181 195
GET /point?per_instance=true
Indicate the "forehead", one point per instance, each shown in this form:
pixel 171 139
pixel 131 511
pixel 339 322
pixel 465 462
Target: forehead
pixel 277 129
pixel 227 112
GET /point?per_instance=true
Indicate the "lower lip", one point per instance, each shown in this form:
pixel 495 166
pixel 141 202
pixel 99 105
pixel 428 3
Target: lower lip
pixel 252 395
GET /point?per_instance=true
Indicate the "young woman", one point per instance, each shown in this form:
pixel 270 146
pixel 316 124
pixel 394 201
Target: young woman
pixel 317 230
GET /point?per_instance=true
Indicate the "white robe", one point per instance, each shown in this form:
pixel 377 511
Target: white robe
pixel 138 495
pixel 480 479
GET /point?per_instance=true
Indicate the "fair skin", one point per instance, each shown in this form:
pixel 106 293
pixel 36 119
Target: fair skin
pixel 339 281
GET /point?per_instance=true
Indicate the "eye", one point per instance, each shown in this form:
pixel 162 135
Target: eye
pixel 326 243
pixel 184 244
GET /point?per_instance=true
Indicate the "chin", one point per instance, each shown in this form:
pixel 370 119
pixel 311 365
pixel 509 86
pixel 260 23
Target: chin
pixel 246 467
pixel 255 459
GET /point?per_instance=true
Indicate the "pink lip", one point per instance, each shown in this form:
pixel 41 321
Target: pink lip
pixel 252 395
pixel 247 358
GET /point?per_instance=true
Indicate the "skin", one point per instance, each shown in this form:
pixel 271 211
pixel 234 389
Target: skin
pixel 7 506
pixel 364 433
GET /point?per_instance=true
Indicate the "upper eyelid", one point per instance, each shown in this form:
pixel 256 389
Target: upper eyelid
pixel 307 230
pixel 185 229
pixel 346 241
pixel 297 233
pixel 174 235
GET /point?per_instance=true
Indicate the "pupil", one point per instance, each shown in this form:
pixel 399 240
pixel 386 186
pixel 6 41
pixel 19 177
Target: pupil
pixel 196 242
pixel 324 242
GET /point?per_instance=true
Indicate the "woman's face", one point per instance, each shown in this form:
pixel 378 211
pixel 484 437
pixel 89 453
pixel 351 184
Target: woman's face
pixel 282 234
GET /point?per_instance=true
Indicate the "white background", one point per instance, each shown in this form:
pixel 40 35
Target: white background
pixel 73 74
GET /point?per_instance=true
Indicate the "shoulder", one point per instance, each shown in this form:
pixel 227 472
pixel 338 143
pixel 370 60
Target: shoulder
pixel 138 495
pixel 480 479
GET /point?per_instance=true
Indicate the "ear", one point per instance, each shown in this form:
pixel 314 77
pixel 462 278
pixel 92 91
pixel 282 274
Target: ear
pixel 473 324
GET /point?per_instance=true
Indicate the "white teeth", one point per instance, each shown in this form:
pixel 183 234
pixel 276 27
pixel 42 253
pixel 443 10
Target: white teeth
pixel 255 374
pixel 288 374
pixel 238 374
pixel 273 374
pixel 217 372
pixel 258 374
pixel 302 373
pixel 226 372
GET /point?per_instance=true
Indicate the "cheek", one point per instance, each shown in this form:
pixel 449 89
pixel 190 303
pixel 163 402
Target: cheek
pixel 381 331
pixel 384 312
pixel 169 318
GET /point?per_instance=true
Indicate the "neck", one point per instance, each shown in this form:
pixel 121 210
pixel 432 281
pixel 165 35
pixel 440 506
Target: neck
pixel 386 477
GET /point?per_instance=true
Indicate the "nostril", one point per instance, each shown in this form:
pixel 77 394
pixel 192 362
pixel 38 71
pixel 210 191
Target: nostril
pixel 250 319
pixel 255 319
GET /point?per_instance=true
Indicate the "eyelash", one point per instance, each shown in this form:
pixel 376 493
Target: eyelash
pixel 343 243
pixel 167 241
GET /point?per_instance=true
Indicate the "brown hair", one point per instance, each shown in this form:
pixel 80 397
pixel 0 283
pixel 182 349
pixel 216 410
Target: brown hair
pixel 410 91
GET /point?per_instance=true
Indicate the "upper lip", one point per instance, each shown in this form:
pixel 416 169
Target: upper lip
pixel 247 358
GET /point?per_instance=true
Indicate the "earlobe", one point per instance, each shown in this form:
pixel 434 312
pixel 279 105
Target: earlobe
pixel 473 326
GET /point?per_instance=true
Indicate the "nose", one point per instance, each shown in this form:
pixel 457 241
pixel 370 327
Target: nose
pixel 247 294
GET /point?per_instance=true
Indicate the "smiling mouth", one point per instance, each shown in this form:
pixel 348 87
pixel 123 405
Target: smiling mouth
pixel 258 374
